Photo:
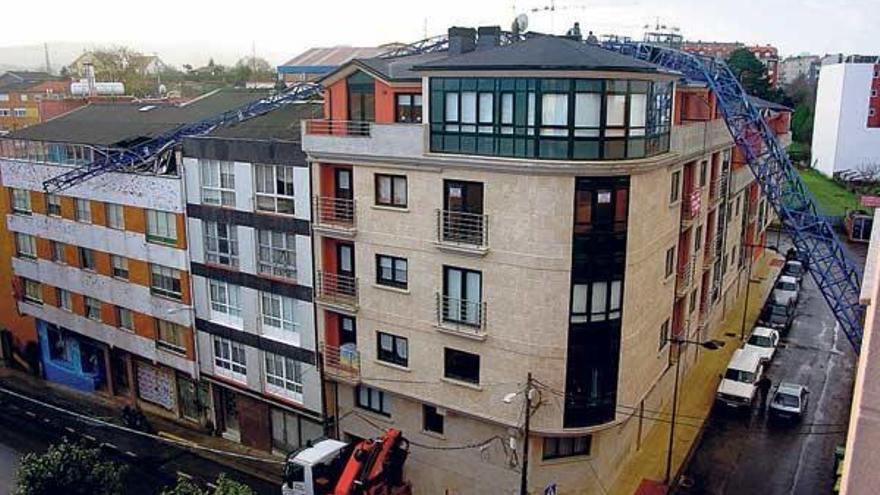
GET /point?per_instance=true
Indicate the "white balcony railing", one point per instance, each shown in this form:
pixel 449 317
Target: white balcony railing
pixel 461 315
pixel 341 128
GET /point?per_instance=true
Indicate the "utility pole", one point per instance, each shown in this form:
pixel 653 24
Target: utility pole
pixel 749 244
pixel 524 479
pixel 674 411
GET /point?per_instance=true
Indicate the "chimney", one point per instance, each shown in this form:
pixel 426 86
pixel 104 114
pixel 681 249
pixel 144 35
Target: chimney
pixel 461 40
pixel 489 37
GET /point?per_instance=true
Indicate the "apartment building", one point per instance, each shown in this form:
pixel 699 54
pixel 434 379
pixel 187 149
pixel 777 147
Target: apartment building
pixel 767 54
pixel 96 278
pixel 248 200
pixel 490 211
pixel 28 98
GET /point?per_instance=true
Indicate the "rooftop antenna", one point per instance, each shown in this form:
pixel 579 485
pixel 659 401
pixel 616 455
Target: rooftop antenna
pixel 520 24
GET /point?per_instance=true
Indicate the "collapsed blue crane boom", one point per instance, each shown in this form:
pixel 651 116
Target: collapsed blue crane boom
pixel 835 274
pixel 159 146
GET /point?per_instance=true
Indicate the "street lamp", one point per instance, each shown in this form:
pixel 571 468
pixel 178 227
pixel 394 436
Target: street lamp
pixel 709 345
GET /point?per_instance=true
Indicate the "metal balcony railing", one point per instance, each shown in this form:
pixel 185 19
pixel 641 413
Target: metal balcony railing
pixel 470 229
pixel 690 207
pixel 342 128
pixel 684 278
pixel 335 212
pixel 708 254
pixel 342 361
pixel 337 289
pixel 715 191
pixel 460 315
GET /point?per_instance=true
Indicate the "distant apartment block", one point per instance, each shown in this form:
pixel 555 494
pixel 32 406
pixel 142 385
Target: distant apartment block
pixel 767 54
pixel 28 98
pixel 846 128
pixel 792 68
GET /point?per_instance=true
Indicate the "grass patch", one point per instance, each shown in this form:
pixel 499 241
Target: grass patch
pixel 833 198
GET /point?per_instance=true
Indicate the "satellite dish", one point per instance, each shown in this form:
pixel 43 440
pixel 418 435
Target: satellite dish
pixel 521 23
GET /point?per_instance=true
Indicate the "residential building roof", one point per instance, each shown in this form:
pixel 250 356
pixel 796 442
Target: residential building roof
pixel 325 59
pixel 113 124
pixel 280 124
pixel 22 80
pixel 542 53
pixel 762 103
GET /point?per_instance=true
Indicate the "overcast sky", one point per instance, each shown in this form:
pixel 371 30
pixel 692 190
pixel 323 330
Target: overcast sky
pixel 280 29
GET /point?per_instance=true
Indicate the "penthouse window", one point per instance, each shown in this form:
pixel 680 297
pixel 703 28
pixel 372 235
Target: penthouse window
pixel 218 183
pixel 409 108
pixel 161 227
pixel 567 119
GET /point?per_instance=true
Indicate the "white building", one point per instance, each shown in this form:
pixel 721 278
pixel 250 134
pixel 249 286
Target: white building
pixel 846 129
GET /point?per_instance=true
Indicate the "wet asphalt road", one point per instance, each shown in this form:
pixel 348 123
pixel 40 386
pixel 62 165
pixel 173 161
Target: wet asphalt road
pixel 746 454
pixel 26 427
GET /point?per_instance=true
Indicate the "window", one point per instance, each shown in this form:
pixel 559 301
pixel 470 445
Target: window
pixel 373 400
pixel 664 334
pixel 119 266
pixel 93 308
pixel 218 182
pixel 19 112
pixel 33 291
pixel 693 301
pixel 5 96
pixel 284 376
pixel 670 261
pixel 161 227
pixel 230 356
pixel 432 420
pixel 165 282
pixel 124 318
pixel 64 298
pixel 221 243
pixel 391 190
pixel 703 172
pixel 554 114
pixel 23 97
pixel 4 112
pixel 274 188
pixel 83 211
pixel 675 187
pixel 391 271
pixel 392 349
pixel 115 216
pixel 171 336
pixel 698 237
pixel 462 366
pixel 557 447
pixel 277 312
pixel 59 252
pixel 225 300
pixel 86 258
pixel 276 253
pixel 596 301
pixel 26 246
pixel 21 201
pixel 462 296
pixel 409 108
pixel 53 205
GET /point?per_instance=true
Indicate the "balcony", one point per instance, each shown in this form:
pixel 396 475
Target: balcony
pixel 715 191
pixel 684 279
pixel 466 233
pixel 350 138
pixel 690 207
pixel 697 137
pixel 461 317
pixel 338 291
pixel 335 216
pixel 342 362
pixel 708 254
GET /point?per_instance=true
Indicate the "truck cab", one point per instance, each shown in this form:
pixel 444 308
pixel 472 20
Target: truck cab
pixel 311 470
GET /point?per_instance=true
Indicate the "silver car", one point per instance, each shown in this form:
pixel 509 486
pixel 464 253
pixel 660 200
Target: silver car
pixel 786 291
pixel 789 401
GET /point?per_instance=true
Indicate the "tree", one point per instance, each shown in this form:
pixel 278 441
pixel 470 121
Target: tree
pixel 225 486
pixel 802 124
pixel 71 469
pixel 751 73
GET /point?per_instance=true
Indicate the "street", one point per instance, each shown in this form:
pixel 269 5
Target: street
pixel 747 454
pixel 28 427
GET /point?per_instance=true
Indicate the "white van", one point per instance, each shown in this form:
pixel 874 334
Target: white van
pixel 739 384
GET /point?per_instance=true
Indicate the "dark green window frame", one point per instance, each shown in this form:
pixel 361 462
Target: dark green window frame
pixel 517 130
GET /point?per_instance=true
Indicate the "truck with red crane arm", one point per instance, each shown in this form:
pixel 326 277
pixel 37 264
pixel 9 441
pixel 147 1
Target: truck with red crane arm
pixel 330 467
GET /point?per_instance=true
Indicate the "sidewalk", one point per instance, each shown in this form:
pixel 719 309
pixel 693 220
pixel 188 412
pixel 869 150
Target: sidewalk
pixel 106 409
pixel 645 470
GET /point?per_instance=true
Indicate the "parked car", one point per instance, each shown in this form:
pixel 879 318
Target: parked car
pixel 776 316
pixel 794 268
pixel 786 290
pixel 763 342
pixel 739 383
pixel 789 401
pixel 795 254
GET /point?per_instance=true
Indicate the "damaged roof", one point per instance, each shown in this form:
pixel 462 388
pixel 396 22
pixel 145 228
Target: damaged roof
pixel 280 124
pixel 109 124
pixel 541 53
